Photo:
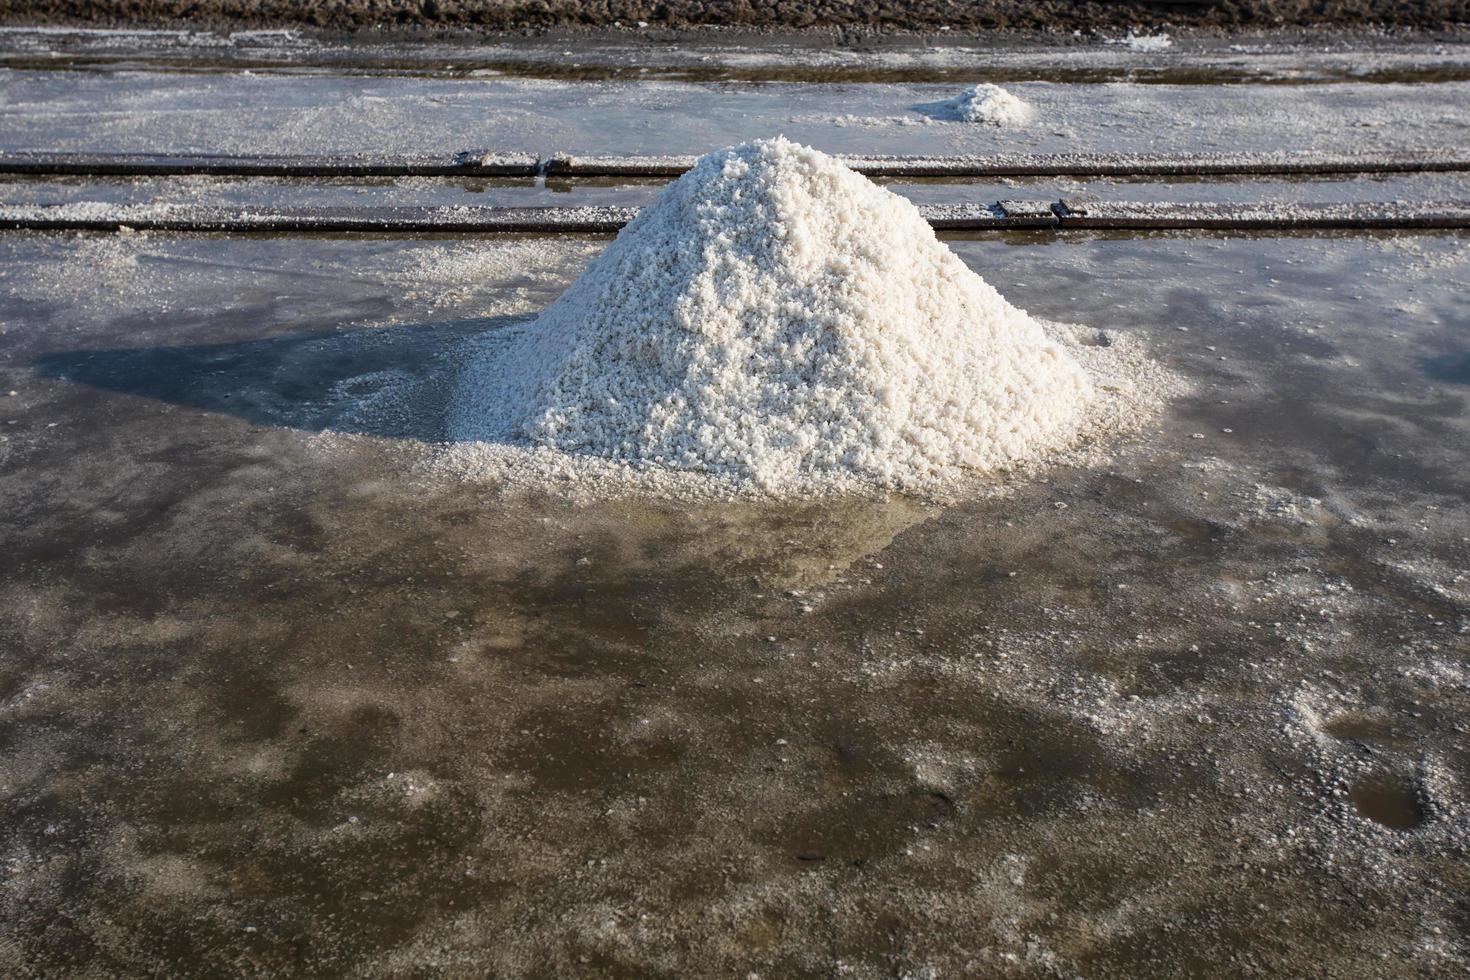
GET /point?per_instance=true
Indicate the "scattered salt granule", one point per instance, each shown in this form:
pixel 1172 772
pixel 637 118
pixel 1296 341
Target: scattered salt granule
pixel 989 104
pixel 778 321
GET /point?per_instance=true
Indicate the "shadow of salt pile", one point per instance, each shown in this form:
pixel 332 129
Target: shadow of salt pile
pixel 1454 368
pixel 389 382
pixel 944 110
pixel 395 382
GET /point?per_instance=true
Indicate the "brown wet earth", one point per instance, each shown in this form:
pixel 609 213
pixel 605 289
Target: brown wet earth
pixel 862 15
pixel 278 699
pixel 399 66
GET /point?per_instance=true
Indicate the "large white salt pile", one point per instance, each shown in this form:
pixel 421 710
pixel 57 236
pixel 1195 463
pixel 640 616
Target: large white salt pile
pixel 989 104
pixel 779 322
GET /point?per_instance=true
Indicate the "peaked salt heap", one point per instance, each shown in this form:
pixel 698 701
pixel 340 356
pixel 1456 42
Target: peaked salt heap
pixel 777 320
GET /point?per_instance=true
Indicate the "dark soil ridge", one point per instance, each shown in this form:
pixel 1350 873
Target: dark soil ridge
pixel 893 15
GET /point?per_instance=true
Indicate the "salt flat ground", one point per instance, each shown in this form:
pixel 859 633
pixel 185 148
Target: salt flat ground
pixel 278 698
pixel 127 110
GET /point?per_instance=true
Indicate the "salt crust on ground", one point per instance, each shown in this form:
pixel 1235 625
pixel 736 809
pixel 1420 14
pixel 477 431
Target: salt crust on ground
pixel 777 325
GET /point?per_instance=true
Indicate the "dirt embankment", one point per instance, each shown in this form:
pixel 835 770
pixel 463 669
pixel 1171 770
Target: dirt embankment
pixel 915 15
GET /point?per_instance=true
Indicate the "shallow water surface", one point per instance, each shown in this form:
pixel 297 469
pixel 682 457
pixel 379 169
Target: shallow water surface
pixel 279 691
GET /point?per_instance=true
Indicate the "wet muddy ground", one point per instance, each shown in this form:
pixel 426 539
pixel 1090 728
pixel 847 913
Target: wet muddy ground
pixel 278 698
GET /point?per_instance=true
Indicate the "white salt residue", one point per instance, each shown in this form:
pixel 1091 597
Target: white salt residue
pixel 989 104
pixel 1145 42
pixel 866 121
pixel 518 276
pixel 776 323
pixel 96 272
pixel 263 38
pixel 473 262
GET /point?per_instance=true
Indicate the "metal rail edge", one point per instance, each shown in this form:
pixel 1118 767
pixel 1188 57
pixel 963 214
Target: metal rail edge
pixel 1002 215
pixel 1060 164
pixel 475 163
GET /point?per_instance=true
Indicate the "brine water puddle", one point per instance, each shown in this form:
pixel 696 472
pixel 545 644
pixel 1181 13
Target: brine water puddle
pixel 1388 800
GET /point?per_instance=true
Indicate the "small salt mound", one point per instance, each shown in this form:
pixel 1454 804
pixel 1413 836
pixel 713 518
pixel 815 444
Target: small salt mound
pixel 1146 42
pixel 989 104
pixel 780 322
